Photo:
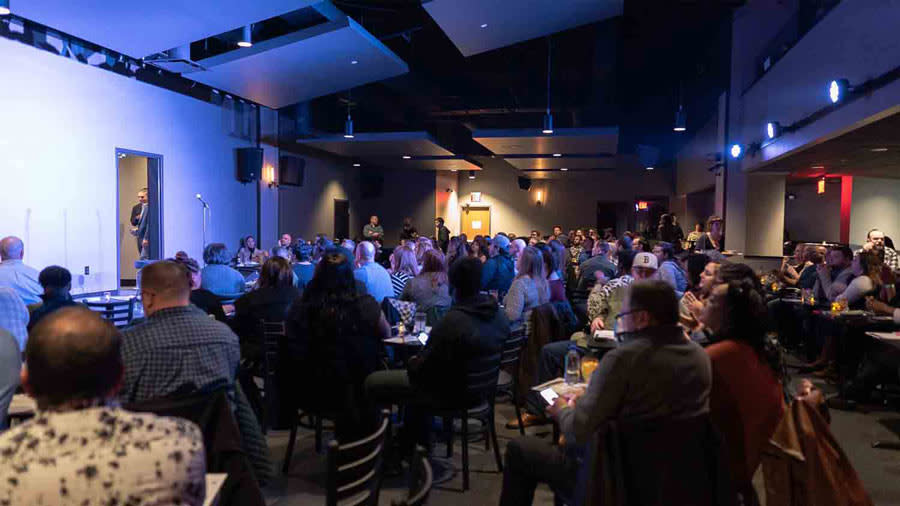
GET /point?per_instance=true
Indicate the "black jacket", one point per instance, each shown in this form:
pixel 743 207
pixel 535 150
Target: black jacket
pixel 473 327
pixel 443 238
pixel 50 305
pixel 268 303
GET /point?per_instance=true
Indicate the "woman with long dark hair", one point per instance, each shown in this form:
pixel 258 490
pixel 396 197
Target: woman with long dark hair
pixel 335 340
pixel 747 400
pixel 274 294
pixel 430 288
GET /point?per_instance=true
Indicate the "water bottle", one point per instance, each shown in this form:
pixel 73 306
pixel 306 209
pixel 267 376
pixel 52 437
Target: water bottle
pixel 573 366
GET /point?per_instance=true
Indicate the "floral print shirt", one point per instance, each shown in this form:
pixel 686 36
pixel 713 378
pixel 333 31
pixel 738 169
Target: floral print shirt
pixel 102 456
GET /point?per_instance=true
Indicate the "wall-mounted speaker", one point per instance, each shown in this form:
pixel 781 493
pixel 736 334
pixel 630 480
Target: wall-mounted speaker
pixel 524 183
pixel 249 164
pixel 291 170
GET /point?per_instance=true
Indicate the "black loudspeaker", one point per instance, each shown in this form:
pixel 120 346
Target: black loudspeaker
pixel 249 164
pixel 371 186
pixel 524 183
pixel 291 170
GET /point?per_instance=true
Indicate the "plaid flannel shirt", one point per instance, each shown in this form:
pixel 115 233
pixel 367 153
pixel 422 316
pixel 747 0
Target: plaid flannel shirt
pixel 175 347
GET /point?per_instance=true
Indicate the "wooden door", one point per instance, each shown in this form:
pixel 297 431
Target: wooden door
pixel 476 221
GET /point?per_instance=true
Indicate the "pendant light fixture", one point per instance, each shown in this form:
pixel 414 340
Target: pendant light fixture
pixel 348 125
pixel 246 39
pixel 548 117
pixel 4 7
pixel 680 116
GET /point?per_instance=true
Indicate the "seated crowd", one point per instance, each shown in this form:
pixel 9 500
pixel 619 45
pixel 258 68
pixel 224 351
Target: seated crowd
pixel 679 333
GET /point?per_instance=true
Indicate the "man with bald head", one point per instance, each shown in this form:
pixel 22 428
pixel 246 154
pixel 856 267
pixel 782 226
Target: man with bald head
pixel 81 448
pixel 375 277
pixel 178 348
pixel 16 275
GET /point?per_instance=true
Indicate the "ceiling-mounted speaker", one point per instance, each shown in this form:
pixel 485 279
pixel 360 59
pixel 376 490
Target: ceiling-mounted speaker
pixel 524 183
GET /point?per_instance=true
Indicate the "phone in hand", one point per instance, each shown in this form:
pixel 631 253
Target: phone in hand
pixel 549 395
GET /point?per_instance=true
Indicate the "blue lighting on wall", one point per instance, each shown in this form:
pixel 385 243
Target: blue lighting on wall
pixel 736 151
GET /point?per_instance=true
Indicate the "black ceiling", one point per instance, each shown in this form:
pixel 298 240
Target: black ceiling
pixel 623 72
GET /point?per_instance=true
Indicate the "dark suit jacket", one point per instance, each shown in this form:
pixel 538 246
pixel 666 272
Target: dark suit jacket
pixel 136 214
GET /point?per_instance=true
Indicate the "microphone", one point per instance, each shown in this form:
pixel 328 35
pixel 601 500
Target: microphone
pixel 200 198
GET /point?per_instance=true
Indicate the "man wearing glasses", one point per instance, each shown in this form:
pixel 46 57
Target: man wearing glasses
pixel 655 373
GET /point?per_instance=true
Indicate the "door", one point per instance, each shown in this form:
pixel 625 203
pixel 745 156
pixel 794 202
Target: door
pixel 341 219
pixel 476 221
pixel 139 184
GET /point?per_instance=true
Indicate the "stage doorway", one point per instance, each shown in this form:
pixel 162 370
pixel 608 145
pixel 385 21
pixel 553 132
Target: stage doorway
pixel 476 221
pixel 139 216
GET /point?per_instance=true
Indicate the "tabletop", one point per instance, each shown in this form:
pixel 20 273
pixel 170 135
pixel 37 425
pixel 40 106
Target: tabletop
pixel 892 338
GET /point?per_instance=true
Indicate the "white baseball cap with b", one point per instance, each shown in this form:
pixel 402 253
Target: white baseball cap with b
pixel 646 260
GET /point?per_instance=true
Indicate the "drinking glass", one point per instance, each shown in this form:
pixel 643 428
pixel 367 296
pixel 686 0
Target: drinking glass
pixel 588 365
pixel 419 323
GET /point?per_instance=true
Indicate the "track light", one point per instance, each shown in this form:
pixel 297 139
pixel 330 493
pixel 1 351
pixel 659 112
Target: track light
pixel 406 157
pixel 548 118
pixel 246 39
pixel 348 128
pixel 471 174
pixel 837 89
pixel 649 168
pixel 548 124
pixel 564 169
pixel 736 151
pixel 680 120
pixel 4 7
pixel 357 165
pixel 773 130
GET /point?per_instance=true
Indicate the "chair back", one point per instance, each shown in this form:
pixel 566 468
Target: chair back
pixel 355 469
pixel 482 373
pixel 118 312
pixel 656 463
pixel 435 314
pixel 512 350
pixel 421 480
pixel 273 335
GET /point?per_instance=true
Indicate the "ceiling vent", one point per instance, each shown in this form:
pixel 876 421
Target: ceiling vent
pixel 176 60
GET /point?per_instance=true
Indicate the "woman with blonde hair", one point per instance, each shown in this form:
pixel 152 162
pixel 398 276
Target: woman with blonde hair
pixel 529 289
pixel 430 288
pixel 423 244
pixel 403 268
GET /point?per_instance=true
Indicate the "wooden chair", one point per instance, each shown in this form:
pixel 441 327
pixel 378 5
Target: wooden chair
pixel 481 390
pixel 509 361
pixel 118 312
pixel 420 480
pixel 355 469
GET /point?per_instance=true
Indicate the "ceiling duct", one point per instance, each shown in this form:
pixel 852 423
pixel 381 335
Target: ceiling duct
pixel 177 60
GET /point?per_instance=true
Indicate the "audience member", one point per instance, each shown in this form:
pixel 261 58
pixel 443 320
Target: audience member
pixel 694 301
pixel 10 365
pixel 560 236
pixel 528 290
pixel 587 251
pixel 177 349
pixel 655 374
pixel 249 252
pixel 403 268
pixel 373 276
pixel 430 288
pixel 335 339
pixel 694 265
pixel 551 271
pixel 441 234
pixel 875 240
pixel 423 244
pixel 479 248
pixel 516 246
pixel 57 282
pixel 14 274
pixel 747 398
pixel 714 237
pixel 286 242
pixel 200 297
pixel 499 269
pixel 457 249
pixel 866 268
pixel 13 316
pixel 694 236
pixel 670 270
pixel 474 327
pixel 304 268
pixel 372 230
pixel 83 449
pixel 274 294
pixel 218 277
pixel 408 233
pixel 833 276
pixel 612 296
pixel 595 266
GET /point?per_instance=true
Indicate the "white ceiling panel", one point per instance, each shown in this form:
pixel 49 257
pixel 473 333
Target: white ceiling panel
pixel 303 65
pixel 566 141
pixel 508 22
pixel 140 28
pixel 381 144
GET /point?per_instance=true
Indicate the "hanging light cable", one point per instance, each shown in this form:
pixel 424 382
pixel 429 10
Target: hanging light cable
pixel 548 117
pixel 348 125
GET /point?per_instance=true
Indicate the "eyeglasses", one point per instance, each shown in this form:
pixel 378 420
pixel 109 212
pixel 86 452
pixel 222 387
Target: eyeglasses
pixel 626 313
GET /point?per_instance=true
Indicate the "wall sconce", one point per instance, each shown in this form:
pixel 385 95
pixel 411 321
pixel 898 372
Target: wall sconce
pixel 820 186
pixel 269 176
pixel 540 198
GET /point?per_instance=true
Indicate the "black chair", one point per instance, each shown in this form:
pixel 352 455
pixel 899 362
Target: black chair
pixel 316 422
pixel 118 312
pixel 420 480
pixel 355 469
pixel 509 361
pixel 273 334
pixel 481 389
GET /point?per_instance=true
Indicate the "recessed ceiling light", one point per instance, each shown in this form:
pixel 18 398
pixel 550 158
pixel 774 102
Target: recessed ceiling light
pixel 484 25
pixel 557 155
pixel 879 150
pixel 357 164
pixel 564 169
pixel 354 62
pixel 452 170
pixel 471 174
pixel 649 168
pixel 818 166
pixel 406 157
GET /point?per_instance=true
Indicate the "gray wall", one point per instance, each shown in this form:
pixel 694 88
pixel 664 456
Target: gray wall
pixel 406 193
pixel 875 205
pixel 812 217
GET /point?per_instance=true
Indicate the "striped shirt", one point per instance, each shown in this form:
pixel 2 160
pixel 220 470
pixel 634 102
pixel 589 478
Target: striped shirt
pixel 398 281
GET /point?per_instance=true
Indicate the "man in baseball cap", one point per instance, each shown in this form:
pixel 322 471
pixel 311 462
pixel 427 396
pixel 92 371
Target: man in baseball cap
pixel 612 295
pixel 499 269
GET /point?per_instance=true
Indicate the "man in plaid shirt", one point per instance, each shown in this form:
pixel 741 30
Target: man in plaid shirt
pixel 875 241
pixel 178 348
